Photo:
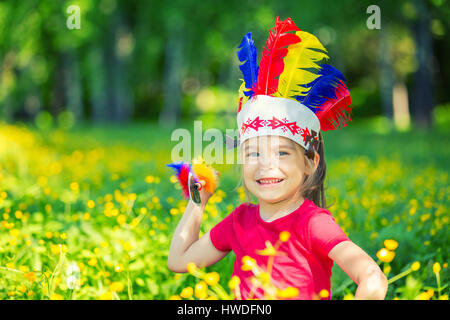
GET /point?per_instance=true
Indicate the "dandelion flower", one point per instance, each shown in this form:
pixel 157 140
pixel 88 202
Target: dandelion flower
pixel 436 267
pixel 191 267
pixel 116 286
pixel 106 296
pixel 390 244
pixel 187 292
pixel 248 263
pixel 56 296
pixel 212 278
pixel 415 266
pixel 385 255
pixel 289 292
pixel 234 282
pixel 200 290
pixel 324 293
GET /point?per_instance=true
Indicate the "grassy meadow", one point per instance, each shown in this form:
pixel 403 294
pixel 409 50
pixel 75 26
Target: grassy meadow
pixel 88 212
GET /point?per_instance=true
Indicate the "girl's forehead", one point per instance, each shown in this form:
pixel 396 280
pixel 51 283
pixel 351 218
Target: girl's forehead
pixel 269 140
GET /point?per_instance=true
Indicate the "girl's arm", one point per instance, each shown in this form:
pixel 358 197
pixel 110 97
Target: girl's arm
pixel 186 246
pixel 362 269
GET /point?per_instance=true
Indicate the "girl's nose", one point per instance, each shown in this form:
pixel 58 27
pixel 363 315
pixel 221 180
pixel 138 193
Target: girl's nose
pixel 268 161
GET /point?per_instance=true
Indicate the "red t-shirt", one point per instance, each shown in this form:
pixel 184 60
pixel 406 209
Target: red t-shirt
pixel 313 233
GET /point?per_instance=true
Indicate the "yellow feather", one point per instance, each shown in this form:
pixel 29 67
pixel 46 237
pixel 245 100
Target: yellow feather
pixel 241 93
pixel 301 55
pixel 205 172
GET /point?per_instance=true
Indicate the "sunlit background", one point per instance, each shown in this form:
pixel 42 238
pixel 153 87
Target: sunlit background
pixel 87 205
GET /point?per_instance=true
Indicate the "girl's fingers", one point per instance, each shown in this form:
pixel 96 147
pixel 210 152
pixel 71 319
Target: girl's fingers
pixel 200 184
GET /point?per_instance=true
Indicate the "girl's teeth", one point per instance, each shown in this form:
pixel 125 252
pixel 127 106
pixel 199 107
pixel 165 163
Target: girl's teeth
pixel 270 181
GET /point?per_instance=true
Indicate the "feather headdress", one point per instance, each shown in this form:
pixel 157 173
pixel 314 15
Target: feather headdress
pixel 292 92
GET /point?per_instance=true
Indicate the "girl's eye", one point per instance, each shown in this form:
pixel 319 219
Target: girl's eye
pixel 252 154
pixel 283 153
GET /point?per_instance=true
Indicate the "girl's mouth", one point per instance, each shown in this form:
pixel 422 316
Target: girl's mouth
pixel 269 182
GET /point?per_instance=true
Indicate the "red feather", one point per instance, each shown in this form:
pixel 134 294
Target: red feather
pixel 272 64
pixel 183 178
pixel 332 111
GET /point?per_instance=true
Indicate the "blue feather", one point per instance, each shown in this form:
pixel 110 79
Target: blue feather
pixel 322 88
pixel 249 68
pixel 177 166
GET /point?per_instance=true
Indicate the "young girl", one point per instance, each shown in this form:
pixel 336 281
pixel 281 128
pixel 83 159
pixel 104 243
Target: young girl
pixel 283 105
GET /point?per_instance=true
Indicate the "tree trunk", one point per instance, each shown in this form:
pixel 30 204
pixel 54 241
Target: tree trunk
pixel 386 74
pixel 97 86
pixel 172 77
pixel 72 85
pixel 422 96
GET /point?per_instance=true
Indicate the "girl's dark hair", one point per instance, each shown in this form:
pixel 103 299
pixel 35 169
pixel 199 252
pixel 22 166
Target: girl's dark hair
pixel 313 185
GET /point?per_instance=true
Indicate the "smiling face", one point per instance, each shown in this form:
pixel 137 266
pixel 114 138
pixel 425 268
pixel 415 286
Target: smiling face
pixel 274 168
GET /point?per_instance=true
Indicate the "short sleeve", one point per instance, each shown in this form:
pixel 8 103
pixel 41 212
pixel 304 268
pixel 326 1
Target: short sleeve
pixel 325 233
pixel 222 232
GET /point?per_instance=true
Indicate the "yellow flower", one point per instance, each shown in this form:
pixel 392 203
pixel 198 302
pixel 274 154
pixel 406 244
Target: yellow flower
pixel 30 276
pixel 423 296
pixel 56 249
pixel 74 186
pixel 390 244
pixel 18 214
pixel 348 296
pixel 324 293
pixel 269 250
pixel 234 282
pixel 436 267
pixel 49 234
pixel 443 297
pixel 265 277
pixel 415 266
pixel 191 267
pixel 22 288
pixel 175 297
pixel 86 216
pixel 127 246
pixel 56 296
pixel 121 219
pixel 116 286
pixel 289 292
pixel 30 293
pixel 385 255
pixel 92 262
pixel 284 236
pixel 186 292
pixel 91 204
pixel 106 296
pixel 212 278
pixel 104 244
pixel 386 269
pixel 14 232
pixel 118 268
pixel 174 211
pixel 248 263
pixel 200 290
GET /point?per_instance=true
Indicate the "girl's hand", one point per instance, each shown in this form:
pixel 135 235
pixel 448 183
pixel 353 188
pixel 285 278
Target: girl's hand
pixel 204 195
